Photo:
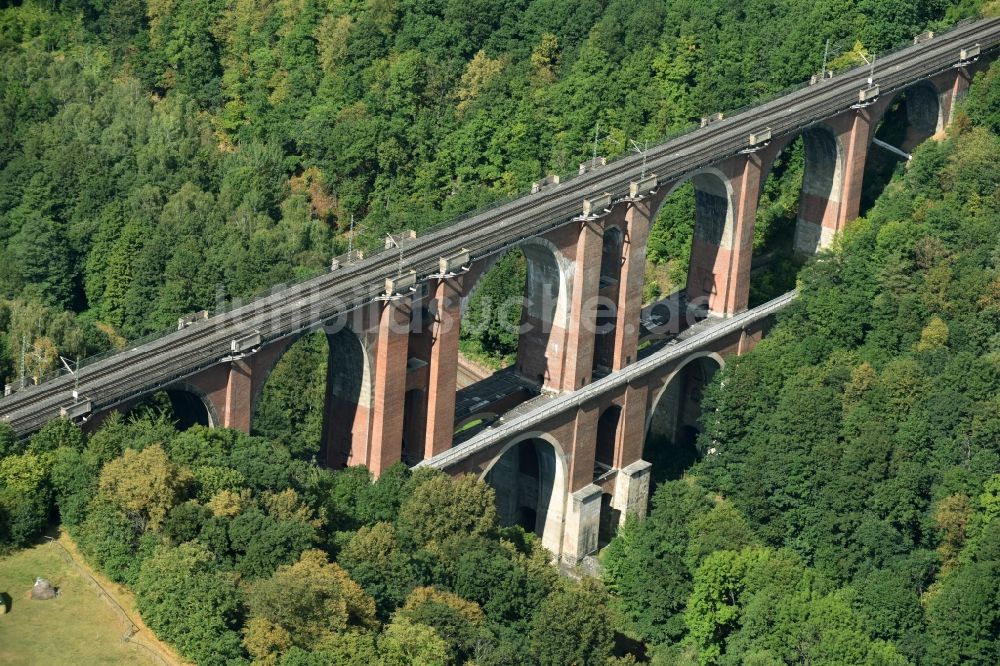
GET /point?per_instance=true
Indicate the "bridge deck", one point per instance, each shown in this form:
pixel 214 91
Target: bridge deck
pixel 157 363
pixel 491 397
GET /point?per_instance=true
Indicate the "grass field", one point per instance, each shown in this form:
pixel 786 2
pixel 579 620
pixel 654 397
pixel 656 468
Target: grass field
pixel 77 627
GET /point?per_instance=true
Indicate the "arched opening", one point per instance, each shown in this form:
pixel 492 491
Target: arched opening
pixel 607 439
pixel 511 311
pixel 606 314
pixel 189 409
pixel 691 226
pixel 491 315
pixel 315 396
pixel 528 481
pixel 289 410
pixel 668 249
pixel 914 116
pixel 796 213
pixel 182 407
pixel 673 427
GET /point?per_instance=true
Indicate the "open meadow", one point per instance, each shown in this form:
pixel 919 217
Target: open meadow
pixel 77 627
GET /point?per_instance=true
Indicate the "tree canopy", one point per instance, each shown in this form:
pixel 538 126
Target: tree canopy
pixel 157 158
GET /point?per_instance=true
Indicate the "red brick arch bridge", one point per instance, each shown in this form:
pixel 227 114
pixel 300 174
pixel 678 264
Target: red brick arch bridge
pixel 561 433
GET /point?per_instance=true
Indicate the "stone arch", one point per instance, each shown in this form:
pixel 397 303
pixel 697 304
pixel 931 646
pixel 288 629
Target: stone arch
pixel 548 259
pixel 924 112
pixel 547 291
pixel 346 393
pixel 713 231
pixel 188 404
pixel 605 324
pixel 263 372
pixel 714 201
pixel 184 396
pixel 609 426
pixel 610 517
pixel 908 118
pixel 672 422
pixel 812 161
pixel 529 476
pixel 544 304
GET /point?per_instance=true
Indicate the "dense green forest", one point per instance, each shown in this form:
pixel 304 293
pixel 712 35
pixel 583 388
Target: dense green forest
pixel 156 157
pixel 846 509
pixel 237 550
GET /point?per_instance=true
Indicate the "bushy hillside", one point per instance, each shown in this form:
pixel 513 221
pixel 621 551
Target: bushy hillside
pixel 855 453
pixel 158 156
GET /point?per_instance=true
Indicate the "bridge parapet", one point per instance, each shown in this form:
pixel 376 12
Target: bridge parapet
pixel 497 434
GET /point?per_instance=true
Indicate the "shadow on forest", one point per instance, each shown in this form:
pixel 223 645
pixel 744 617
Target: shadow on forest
pixel 670 459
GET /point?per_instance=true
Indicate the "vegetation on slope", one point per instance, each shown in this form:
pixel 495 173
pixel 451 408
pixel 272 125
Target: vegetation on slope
pixel 849 512
pixel 849 505
pixel 157 157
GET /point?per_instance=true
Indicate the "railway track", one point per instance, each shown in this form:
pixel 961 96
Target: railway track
pixel 154 364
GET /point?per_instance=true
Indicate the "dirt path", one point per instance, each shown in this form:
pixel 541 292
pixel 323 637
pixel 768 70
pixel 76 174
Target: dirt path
pixel 144 640
pixel 470 372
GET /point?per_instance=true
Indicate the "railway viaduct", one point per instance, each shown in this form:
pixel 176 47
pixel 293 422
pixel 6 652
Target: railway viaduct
pixel 561 433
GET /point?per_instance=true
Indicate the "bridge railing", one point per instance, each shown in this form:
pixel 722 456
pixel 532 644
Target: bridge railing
pixel 498 433
pixel 95 358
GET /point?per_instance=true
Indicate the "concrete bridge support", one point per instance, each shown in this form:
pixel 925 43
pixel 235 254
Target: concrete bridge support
pixel 583 518
pixel 631 492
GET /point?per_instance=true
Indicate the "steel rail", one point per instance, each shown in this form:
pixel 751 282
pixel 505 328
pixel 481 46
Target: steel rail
pixel 306 305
